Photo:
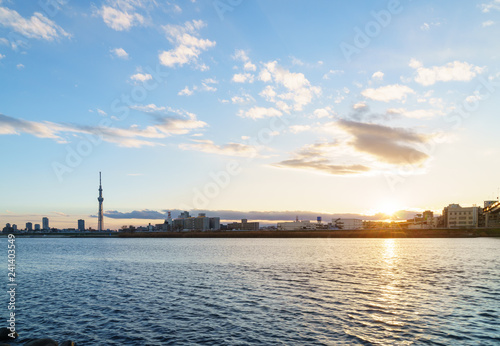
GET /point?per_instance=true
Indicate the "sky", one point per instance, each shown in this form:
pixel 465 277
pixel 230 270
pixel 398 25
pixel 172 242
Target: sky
pixel 246 108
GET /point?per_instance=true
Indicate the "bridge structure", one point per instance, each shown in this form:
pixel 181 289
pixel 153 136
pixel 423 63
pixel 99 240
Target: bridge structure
pixel 492 214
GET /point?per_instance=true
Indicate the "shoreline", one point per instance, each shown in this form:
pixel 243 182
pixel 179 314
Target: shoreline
pixel 375 233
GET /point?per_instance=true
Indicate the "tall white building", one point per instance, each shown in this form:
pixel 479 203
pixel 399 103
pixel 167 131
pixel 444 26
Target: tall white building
pixel 45 223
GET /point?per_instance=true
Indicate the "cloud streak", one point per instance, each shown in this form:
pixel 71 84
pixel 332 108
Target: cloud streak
pixel 387 144
pixel 271 216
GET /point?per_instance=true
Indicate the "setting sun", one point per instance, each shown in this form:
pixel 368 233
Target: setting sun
pixel 388 208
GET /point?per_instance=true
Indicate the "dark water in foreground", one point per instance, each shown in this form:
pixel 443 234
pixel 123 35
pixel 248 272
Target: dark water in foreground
pixel 259 291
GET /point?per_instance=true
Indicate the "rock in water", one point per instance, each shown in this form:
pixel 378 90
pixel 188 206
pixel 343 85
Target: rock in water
pixel 65 343
pixel 4 334
pixel 42 342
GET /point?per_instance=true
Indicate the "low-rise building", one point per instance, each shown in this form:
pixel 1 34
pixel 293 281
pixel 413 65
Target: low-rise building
pixel 296 225
pixel 456 216
pixel 244 225
pixel 198 223
pixel 347 224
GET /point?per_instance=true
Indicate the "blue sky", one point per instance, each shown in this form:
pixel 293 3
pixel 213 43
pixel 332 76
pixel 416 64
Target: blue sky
pixel 329 107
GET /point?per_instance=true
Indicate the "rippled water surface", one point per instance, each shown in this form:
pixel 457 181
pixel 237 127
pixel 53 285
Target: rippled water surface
pixel 259 291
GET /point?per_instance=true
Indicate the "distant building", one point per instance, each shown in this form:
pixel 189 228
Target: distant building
pixel 198 223
pixel 29 226
pixel 296 225
pixel 244 225
pixel 45 223
pixel 37 226
pixel 348 224
pixel 455 216
pixel 14 227
pixel 7 228
pixel 81 225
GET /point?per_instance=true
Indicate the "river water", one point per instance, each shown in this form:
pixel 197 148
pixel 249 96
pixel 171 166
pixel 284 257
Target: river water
pixel 258 291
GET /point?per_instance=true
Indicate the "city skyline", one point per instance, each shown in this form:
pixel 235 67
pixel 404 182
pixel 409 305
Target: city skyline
pixel 199 106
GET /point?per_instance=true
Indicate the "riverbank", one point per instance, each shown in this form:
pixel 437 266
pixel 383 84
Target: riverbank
pixel 436 233
pixel 375 233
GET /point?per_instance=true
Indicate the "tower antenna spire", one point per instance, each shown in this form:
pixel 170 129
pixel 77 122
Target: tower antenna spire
pixel 100 215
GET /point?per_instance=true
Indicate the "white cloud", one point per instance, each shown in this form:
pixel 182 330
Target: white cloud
pixel 37 26
pixel 185 92
pixel 299 128
pixel 243 78
pixel 20 66
pixel 359 105
pixel 453 71
pixel 379 75
pixel 324 112
pixel 300 90
pixel 120 20
pixel 241 55
pixel 230 149
pixel 141 77
pixel 488 23
pixel 268 93
pixel 260 112
pixel 120 53
pixel 101 112
pixel 187 45
pixel 249 66
pixel 2 56
pixel 388 93
pixel 243 99
pixel 332 73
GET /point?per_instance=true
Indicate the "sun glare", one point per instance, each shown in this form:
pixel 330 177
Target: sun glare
pixel 388 208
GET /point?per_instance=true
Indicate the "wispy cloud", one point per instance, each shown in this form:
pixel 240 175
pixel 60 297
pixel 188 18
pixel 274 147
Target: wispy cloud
pixel 171 121
pixel 417 113
pixel 37 26
pixel 492 5
pixel 332 73
pixel 316 157
pixel 168 122
pixel 230 149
